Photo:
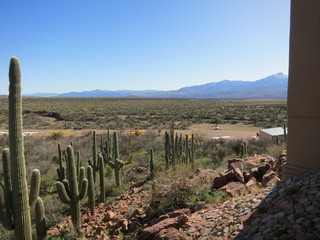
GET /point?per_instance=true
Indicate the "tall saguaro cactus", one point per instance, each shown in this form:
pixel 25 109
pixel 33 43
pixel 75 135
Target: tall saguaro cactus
pixel 15 201
pixel 72 195
pixel 20 198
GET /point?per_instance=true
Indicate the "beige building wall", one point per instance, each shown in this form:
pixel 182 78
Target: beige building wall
pixel 265 137
pixel 304 88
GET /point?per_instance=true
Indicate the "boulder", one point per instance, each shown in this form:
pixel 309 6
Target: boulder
pixel 168 234
pixel 254 172
pixel 238 175
pixel 152 231
pixel 223 178
pixel 232 187
pixel 235 163
pixel 264 168
pixel 272 161
pixel 252 183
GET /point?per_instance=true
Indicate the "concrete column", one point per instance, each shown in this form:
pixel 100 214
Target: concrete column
pixel 304 88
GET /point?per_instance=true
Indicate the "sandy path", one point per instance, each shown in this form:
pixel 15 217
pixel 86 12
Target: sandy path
pixel 233 130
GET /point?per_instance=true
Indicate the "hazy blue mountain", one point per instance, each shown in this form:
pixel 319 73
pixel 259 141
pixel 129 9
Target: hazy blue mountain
pixel 40 95
pixel 106 93
pixel 274 86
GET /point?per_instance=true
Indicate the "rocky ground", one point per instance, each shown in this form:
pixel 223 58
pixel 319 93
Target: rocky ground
pixel 257 210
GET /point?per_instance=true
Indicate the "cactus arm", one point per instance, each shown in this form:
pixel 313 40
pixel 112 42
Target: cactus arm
pixel 84 188
pixel 5 215
pixel 63 193
pixel 111 164
pixel 41 225
pixel 6 171
pixel 7 188
pixel 78 163
pixel 91 190
pixel 81 177
pixel 35 187
pixel 20 198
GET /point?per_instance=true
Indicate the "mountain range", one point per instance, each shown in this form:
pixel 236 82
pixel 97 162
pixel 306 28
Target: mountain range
pixel 274 86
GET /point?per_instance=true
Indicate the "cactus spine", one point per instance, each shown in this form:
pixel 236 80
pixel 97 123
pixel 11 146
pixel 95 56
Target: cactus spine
pixel 74 196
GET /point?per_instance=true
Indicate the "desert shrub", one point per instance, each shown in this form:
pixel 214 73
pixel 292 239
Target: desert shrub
pixel 276 150
pixel 175 196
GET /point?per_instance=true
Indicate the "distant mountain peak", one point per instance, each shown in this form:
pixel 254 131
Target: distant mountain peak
pixel 280 75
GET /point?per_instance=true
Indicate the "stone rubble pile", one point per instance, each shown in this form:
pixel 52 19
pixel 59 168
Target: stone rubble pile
pixel 235 178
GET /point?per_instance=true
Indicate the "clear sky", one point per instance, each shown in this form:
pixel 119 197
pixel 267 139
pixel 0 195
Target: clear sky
pixel 78 45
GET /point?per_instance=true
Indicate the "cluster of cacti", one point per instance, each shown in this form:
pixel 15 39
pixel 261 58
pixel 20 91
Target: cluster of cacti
pixel 244 149
pixel 177 149
pixel 106 147
pixel 73 189
pixel 15 202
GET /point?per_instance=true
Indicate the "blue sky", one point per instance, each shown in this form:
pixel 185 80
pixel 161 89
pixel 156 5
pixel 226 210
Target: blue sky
pixel 141 44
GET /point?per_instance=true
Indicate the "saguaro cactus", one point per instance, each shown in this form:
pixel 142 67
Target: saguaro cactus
pixel 15 202
pixel 101 178
pixel 91 190
pixel 117 164
pixel 94 162
pixel 40 220
pixel 20 198
pixel 151 164
pixel 72 195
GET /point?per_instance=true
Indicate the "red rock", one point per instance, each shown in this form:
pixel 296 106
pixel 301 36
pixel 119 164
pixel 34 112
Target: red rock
pixel 108 216
pixel 270 160
pixel 110 224
pixel 238 175
pixel 152 231
pixel 168 234
pixel 53 231
pixel 254 172
pixel 123 223
pixel 264 168
pixel 267 177
pixel 252 182
pixel 179 212
pixel 246 176
pixel 246 217
pixel 235 163
pixel 223 178
pixel 232 187
pixel 136 212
